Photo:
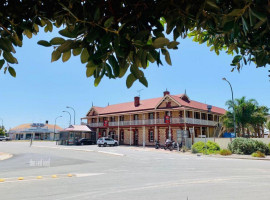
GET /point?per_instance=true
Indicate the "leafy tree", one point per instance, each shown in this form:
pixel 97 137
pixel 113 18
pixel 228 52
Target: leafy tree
pixel 2 131
pixel 113 36
pixel 268 125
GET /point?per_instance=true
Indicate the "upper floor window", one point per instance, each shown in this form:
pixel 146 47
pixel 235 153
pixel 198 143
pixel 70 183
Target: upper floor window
pixel 104 118
pixel 203 116
pixel 151 115
pixel 122 118
pixel 112 119
pixel 93 120
pixel 168 113
pixel 136 117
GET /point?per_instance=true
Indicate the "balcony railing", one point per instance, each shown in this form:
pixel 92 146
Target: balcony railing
pixel 157 121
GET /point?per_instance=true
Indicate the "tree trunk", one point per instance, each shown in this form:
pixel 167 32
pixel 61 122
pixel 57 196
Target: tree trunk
pixel 248 132
pixel 243 130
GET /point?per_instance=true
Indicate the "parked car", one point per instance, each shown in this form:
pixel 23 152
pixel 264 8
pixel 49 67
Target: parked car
pixel 85 141
pixel 4 138
pixel 104 141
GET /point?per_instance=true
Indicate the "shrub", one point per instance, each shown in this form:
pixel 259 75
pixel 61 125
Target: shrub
pixel 262 147
pixel 209 148
pixel 258 154
pixel 198 147
pixel 225 152
pixel 247 146
pixel 212 147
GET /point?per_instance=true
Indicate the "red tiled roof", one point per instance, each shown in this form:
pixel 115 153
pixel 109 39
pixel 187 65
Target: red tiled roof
pixel 149 104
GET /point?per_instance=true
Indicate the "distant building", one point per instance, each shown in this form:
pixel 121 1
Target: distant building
pixel 37 131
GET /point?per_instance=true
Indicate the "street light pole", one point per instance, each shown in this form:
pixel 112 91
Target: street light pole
pixel 69 116
pixel 54 127
pixel 2 123
pixel 234 126
pixel 73 111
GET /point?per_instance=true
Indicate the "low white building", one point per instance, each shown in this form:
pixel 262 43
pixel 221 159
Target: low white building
pixel 37 131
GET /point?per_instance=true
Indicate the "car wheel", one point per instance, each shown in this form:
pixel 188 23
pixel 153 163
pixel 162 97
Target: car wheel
pixel 105 144
pixel 99 145
pixel 115 144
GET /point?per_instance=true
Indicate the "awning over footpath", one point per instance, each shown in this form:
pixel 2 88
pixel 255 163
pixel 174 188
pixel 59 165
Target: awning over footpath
pixel 77 128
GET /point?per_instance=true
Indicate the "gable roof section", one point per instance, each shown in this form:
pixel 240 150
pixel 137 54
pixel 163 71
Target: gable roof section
pixel 198 105
pixel 146 104
pixel 149 104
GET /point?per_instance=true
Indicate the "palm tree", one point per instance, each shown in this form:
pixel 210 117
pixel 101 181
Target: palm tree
pixel 243 111
pixel 258 119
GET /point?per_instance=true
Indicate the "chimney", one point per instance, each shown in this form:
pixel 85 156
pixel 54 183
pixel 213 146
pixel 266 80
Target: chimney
pixel 136 101
pixel 166 92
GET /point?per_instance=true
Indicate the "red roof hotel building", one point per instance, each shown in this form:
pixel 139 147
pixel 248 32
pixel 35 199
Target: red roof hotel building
pixel 141 122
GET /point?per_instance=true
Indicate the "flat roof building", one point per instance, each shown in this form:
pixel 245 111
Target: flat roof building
pixel 38 131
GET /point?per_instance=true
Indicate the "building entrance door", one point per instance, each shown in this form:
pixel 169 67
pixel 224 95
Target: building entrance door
pixel 136 137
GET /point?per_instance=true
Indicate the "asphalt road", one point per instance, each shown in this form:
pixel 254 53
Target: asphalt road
pixel 126 173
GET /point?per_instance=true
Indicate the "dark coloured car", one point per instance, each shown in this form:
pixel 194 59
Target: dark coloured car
pixel 85 141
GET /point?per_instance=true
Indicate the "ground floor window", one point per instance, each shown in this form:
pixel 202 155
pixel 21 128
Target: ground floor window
pixel 104 133
pixel 151 136
pixel 122 136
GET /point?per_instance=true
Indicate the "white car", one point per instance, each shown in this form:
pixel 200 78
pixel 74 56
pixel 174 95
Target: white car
pixel 104 141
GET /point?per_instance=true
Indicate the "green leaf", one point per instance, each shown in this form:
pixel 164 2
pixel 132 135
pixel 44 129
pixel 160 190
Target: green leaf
pixel 143 81
pixel 28 33
pixel 212 4
pixel 160 42
pixel 108 22
pixel 236 12
pixel 90 68
pixel 77 51
pixel 66 56
pixel 150 58
pixel 9 57
pixel 97 14
pixel 173 45
pixel 49 26
pixel 97 81
pixel 84 56
pixel 168 58
pixel 236 59
pixel 44 43
pixel 261 16
pixel 11 71
pixel 16 41
pixel 2 62
pixel 67 33
pixel 130 80
pixel 6 45
pixel 55 55
pixel 57 41
pixel 66 46
pixel 123 69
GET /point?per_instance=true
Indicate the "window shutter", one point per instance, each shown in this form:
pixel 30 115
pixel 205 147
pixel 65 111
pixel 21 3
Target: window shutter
pixel 148 135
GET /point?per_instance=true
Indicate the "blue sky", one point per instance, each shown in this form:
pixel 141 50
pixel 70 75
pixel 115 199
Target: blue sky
pixel 42 89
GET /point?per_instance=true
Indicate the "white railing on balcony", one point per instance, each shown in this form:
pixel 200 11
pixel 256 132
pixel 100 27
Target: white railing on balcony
pixel 158 121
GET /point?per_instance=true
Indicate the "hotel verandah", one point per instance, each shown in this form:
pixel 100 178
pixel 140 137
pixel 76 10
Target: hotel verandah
pixel 141 122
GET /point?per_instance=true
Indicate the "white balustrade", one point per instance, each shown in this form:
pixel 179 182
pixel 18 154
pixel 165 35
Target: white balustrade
pixel 157 121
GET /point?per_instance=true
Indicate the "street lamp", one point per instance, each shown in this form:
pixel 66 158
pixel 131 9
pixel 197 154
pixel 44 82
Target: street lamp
pixel 54 127
pixel 224 79
pixel 73 111
pixel 2 123
pixel 69 116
